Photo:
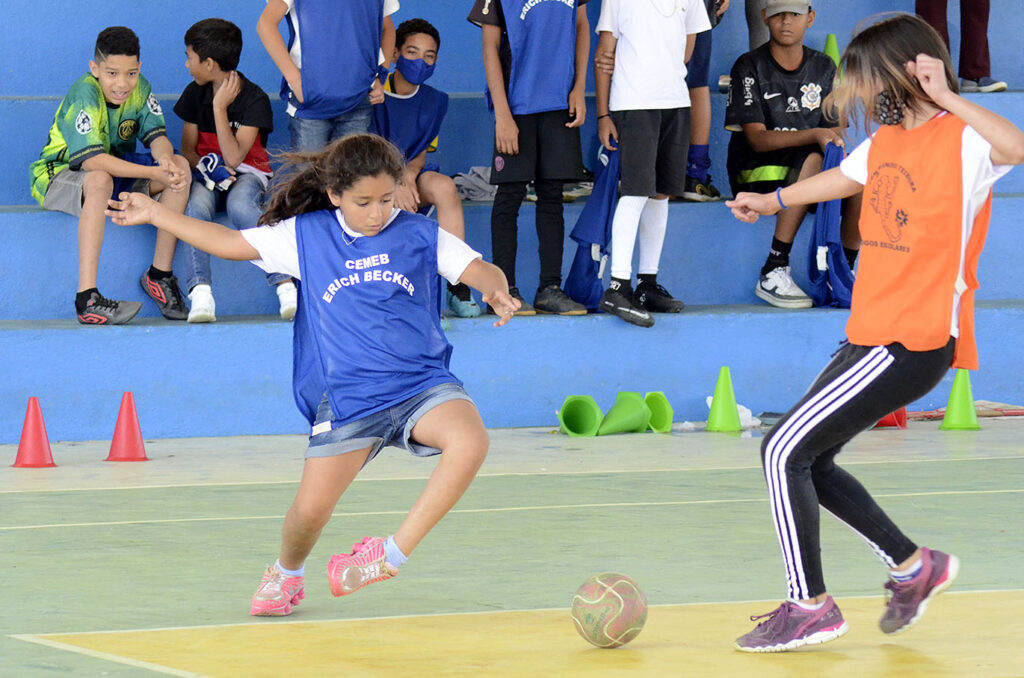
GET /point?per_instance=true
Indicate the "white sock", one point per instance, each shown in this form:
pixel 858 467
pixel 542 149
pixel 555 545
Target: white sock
pixel 292 573
pixel 811 607
pixel 653 224
pixel 392 553
pixel 625 224
pixel 909 573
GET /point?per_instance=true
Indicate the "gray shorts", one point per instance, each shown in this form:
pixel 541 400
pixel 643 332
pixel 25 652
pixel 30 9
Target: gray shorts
pixel 64 194
pixel 392 426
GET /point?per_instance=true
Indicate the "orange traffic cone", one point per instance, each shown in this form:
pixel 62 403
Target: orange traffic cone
pixel 897 419
pixel 34 446
pixel 127 442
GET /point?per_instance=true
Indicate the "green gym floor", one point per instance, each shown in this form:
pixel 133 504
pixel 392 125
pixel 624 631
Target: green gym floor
pixel 137 569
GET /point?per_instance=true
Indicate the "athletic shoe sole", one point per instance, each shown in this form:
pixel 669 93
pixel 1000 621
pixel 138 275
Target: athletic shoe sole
pixel 952 570
pixel 816 638
pixel 541 311
pixel 282 611
pixel 782 303
pixel 631 316
pixel 699 197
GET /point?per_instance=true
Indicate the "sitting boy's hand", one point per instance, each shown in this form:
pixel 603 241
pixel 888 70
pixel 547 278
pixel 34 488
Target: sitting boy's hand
pixel 406 196
pixel 132 209
pixel 830 135
pixel 173 173
pixel 504 304
pixel 748 206
pixel 227 92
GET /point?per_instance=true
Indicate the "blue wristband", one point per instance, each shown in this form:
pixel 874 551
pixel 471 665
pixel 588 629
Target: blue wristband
pixel 778 196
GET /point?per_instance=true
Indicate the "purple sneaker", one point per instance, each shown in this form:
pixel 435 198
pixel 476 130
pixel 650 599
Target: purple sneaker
pixel 790 626
pixel 908 600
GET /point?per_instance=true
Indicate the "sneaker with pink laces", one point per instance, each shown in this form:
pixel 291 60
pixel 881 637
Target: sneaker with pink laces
pixel 277 594
pixel 347 573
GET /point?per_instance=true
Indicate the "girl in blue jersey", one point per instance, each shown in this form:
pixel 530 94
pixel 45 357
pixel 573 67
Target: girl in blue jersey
pixel 370 359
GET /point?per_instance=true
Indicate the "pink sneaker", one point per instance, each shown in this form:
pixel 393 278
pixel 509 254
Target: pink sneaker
pixel 276 594
pixel 347 573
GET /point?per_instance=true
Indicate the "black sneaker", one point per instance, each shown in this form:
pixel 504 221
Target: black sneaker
pixel 167 295
pixel 102 311
pixel 551 299
pixel 621 302
pixel 695 191
pixel 656 299
pixel 524 309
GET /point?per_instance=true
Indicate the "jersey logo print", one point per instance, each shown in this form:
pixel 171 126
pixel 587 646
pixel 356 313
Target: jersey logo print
pixel 792 106
pixel 83 123
pixel 154 105
pixel 126 130
pixel 883 190
pixel 812 96
pixel 772 95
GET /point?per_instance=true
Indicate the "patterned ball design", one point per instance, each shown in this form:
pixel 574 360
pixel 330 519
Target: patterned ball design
pixel 609 609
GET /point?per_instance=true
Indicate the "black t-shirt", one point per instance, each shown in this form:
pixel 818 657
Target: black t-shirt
pixel 251 108
pixel 762 91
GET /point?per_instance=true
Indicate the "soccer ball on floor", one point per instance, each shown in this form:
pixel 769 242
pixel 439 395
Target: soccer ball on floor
pixel 609 609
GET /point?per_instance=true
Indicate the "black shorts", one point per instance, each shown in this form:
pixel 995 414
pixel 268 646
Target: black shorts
pixel 561 160
pixel 652 150
pixel 764 172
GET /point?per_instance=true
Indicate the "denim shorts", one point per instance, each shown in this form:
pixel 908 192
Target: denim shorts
pixel 391 426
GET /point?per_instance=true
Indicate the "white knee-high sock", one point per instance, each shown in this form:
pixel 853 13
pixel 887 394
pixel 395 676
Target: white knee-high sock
pixel 653 224
pixel 625 224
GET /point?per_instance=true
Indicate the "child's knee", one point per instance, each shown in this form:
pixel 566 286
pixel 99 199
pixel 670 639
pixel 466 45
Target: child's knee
pixel 97 183
pixel 311 516
pixel 181 163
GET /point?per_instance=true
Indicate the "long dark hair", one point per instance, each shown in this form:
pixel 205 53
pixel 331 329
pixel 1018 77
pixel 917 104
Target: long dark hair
pixel 874 61
pixel 308 176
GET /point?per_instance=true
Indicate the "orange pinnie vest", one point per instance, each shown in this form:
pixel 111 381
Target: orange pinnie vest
pixel 913 231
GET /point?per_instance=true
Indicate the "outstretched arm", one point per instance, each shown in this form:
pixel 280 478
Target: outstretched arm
pixel 828 185
pixel 220 241
pixel 489 279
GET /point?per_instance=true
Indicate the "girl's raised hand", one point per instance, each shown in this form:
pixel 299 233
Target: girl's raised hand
pixel 931 74
pixel 504 304
pixel 132 209
pixel 748 206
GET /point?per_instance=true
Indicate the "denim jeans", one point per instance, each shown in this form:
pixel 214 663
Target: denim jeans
pixel 243 202
pixel 312 135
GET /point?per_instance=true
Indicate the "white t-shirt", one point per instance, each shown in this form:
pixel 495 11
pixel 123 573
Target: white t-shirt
pixel 390 7
pixel 279 251
pixel 650 56
pixel 979 174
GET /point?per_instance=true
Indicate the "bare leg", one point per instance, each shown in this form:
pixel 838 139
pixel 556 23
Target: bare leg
pixel 324 480
pixel 788 221
pixel 455 428
pixel 163 253
pixel 97 186
pixel 439 190
pixel 700 115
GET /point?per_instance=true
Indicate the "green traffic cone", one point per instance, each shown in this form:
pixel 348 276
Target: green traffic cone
pixel 960 412
pixel 661 412
pixel 724 415
pixel 580 416
pixel 832 48
pixel 629 414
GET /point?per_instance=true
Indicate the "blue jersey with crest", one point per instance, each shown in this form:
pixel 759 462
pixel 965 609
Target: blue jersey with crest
pixel 368 332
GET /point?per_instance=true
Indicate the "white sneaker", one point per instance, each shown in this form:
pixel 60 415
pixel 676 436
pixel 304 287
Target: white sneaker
pixel 289 298
pixel 778 289
pixel 203 308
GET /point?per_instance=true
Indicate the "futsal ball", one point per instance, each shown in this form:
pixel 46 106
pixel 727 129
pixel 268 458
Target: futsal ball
pixel 609 609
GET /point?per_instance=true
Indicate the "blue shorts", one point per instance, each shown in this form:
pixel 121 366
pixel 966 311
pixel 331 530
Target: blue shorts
pixel 392 426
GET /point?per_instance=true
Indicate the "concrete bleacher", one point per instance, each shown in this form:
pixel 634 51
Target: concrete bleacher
pixel 233 377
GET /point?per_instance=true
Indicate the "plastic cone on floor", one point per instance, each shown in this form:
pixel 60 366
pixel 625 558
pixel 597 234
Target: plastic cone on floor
pixel 661 412
pixel 897 419
pixel 832 48
pixel 580 416
pixel 127 442
pixel 629 414
pixel 34 446
pixel 724 415
pixel 960 412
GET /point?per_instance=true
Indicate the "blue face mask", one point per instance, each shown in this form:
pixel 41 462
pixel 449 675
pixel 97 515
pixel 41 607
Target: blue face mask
pixel 416 71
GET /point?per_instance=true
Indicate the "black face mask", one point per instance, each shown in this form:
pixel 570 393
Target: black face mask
pixel 888 109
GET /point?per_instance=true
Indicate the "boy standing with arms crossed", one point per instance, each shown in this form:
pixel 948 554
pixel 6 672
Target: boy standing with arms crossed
pixel 90 156
pixel 535 56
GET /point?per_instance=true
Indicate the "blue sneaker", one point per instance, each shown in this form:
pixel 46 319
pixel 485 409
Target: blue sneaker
pixel 461 302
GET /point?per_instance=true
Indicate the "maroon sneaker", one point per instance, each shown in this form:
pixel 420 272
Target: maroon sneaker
pixel 908 600
pixel 790 626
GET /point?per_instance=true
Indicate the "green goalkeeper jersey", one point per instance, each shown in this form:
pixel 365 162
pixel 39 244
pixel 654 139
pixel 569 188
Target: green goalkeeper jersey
pixel 85 125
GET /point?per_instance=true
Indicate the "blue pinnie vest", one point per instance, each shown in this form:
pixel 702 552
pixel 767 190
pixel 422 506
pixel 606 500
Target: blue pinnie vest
pixel 340 48
pixel 368 331
pixel 542 38
pixel 411 124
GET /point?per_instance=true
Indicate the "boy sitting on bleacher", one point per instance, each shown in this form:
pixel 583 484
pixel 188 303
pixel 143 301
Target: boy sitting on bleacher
pixel 410 118
pixel 90 156
pixel 227 122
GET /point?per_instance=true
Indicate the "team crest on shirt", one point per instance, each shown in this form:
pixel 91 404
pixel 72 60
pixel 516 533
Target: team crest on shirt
pixel 83 123
pixel 812 96
pixel 792 105
pixel 883 192
pixel 154 105
pixel 126 130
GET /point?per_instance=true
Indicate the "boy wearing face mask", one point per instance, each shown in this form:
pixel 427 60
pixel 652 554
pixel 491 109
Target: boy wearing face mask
pixel 410 118
pixel 779 135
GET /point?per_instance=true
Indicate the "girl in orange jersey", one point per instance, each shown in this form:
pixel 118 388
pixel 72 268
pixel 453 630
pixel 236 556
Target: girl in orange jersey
pixel 926 174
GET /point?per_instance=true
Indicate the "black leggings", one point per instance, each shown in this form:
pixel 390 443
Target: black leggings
pixel 861 385
pixel 550 229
